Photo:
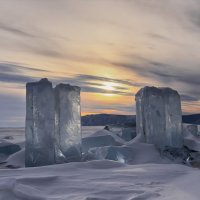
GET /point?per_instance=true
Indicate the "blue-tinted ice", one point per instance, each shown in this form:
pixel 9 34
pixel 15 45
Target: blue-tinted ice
pixel 159 117
pixel 40 112
pixel 68 123
pixel 53 124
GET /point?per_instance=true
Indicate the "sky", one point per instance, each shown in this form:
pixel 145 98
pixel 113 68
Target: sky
pixel 110 48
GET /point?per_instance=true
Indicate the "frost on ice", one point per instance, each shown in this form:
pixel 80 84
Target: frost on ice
pixel 53 127
pixel 68 122
pixel 39 124
pixel 159 117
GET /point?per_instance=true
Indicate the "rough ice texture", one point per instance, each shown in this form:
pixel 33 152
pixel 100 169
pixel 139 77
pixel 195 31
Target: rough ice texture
pixel 159 116
pixel 101 138
pixel 192 129
pixel 67 123
pixel 98 141
pixel 53 124
pixel 40 117
pixel 135 154
pixel 101 180
pixel 192 136
pixel 127 133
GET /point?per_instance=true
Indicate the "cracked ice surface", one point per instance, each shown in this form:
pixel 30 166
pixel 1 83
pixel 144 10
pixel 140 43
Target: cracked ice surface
pixel 159 116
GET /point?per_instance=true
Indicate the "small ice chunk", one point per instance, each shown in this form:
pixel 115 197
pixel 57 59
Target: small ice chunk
pixel 127 133
pixel 191 136
pixel 16 160
pixel 98 141
pixel 101 138
pixel 7 148
pixel 159 117
pixel 40 120
pixel 193 129
pixel 67 123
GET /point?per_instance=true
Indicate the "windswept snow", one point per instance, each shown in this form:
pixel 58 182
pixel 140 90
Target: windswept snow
pixel 133 171
pixel 101 180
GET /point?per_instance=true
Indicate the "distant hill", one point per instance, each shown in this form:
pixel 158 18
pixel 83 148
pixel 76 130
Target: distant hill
pixel 108 119
pixel 192 119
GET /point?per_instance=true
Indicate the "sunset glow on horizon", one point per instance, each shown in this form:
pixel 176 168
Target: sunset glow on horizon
pixel 109 48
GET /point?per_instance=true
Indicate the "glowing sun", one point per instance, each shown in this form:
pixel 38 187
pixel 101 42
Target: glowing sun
pixel 108 86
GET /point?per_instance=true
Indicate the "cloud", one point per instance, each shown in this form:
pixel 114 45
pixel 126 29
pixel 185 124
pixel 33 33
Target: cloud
pixel 46 51
pixel 188 98
pixel 33 41
pixel 16 67
pixel 15 73
pixel 91 83
pixel 85 77
pixel 15 31
pixel 159 37
pixel 85 88
pixel 14 78
pixel 162 71
pixel 19 74
pixel 192 14
pixel 162 38
pixel 184 79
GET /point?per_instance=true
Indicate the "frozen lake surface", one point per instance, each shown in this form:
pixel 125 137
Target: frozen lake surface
pixel 101 180
pixel 98 179
pixel 19 133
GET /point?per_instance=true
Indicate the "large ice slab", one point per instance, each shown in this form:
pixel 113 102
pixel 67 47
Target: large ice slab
pixel 53 124
pixel 40 120
pixel 67 123
pixel 159 117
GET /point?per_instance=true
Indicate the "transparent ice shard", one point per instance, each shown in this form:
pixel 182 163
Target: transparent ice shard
pixel 67 123
pixel 159 116
pixel 40 117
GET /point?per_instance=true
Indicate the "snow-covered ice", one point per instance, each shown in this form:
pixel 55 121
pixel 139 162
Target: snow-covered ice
pixel 16 160
pixel 101 180
pixel 137 172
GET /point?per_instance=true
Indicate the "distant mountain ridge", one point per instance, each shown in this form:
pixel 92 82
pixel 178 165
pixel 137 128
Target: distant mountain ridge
pixel 191 119
pixel 108 119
